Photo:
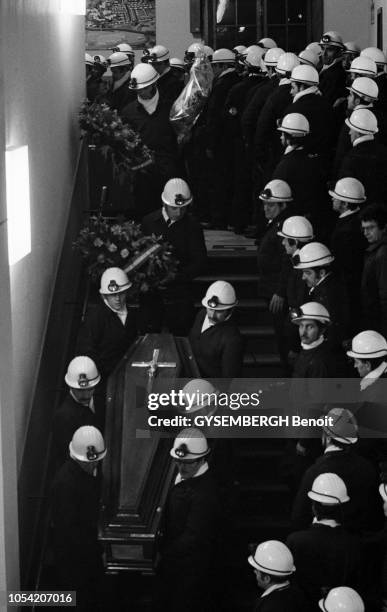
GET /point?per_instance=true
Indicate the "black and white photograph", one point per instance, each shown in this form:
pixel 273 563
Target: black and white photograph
pixel 193 371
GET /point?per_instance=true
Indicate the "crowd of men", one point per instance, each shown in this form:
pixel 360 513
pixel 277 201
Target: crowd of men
pixel 294 144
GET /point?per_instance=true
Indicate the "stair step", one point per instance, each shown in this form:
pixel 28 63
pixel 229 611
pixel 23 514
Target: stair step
pixel 257 331
pixel 231 278
pixel 260 359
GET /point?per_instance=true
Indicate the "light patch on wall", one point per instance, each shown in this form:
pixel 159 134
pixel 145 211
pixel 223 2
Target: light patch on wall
pixel 17 176
pixel 73 7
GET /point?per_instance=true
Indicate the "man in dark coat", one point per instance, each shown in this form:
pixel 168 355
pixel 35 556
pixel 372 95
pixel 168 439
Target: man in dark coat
pixel 216 341
pixel 174 304
pixel 110 328
pixel 363 512
pixel 169 84
pixel 374 277
pixel 325 287
pixel 367 160
pixel 78 407
pixel 274 569
pixel 348 243
pixel 190 530
pixel 119 95
pixel 218 146
pixel 308 101
pixel 332 75
pixel 304 173
pixel 149 116
pixel 267 145
pixel 325 554
pixel 74 517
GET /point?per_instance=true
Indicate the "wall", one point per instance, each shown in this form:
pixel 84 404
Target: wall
pixel 172 26
pixel 44 75
pixel 349 17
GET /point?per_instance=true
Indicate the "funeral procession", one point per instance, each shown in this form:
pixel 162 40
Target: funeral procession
pixel 193 386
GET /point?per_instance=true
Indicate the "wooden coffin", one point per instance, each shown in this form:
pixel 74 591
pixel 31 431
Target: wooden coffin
pixel 138 470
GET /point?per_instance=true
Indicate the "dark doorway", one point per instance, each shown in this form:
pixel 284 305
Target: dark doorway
pixel 379 29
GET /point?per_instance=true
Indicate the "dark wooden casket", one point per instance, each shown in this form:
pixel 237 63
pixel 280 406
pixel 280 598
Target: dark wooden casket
pixel 138 470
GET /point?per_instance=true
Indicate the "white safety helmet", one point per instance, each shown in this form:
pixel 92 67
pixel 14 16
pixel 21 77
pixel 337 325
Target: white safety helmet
pixel 267 43
pixel 309 57
pixel 176 193
pixel 349 189
pixel 368 344
pixel 87 444
pixel 155 55
pixel 329 489
pixel 363 66
pixel 312 255
pixel 295 124
pixel 363 120
pixel 312 311
pixel 142 76
pixel 273 558
pixel 383 491
pixel 276 191
pixel 223 56
pixel 220 295
pixel 351 48
pixel 125 48
pixel 175 62
pixel 253 57
pixel 190 445
pixel 118 59
pixel 342 599
pixel 89 61
pixel 307 75
pixel 332 39
pixel 315 47
pixel 343 426
pixel 286 63
pixel 203 392
pixel 297 228
pixel 376 54
pixel 113 281
pixel 82 373
pixel 239 49
pixel 272 56
pixel 364 87
pixel 208 51
pixel 194 50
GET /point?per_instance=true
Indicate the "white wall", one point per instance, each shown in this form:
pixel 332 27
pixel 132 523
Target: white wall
pixel 349 17
pixel 43 68
pixel 172 26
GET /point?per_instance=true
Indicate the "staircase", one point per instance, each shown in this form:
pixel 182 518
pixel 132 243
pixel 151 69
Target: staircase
pixel 261 504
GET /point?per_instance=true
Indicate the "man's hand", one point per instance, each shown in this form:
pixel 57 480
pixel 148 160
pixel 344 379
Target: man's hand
pixel 276 304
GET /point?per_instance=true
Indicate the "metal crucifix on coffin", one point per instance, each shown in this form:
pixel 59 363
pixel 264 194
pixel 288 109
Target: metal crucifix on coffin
pixel 153 367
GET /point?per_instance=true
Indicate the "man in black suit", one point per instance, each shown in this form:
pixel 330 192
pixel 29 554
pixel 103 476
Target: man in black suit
pixel 119 95
pixel 149 116
pixel 332 75
pixel 325 554
pixel 78 407
pixel 348 243
pixel 274 568
pixel 189 531
pixel 216 341
pixel 169 84
pixel 367 160
pixel 173 303
pixel 74 518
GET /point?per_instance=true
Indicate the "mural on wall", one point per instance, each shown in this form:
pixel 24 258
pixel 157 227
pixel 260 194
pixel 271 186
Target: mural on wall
pixel 111 22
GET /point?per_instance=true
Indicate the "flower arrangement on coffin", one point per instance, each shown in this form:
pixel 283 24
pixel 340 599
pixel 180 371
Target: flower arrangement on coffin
pixel 147 260
pixel 117 142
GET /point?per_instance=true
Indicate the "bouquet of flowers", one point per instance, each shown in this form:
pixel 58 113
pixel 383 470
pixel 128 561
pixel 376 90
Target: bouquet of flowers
pixel 116 141
pixel 186 109
pixel 146 259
